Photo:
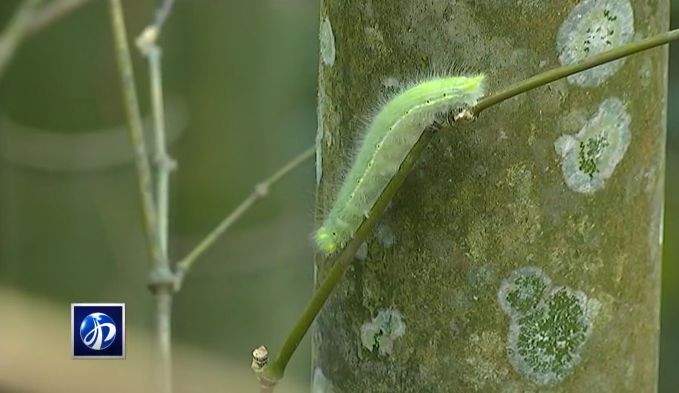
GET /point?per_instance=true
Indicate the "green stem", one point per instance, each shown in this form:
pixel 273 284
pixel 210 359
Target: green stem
pixel 162 279
pixel 134 128
pixel 564 71
pixel 274 371
pixel 163 300
pixel 163 162
pixel 164 166
pixel 162 13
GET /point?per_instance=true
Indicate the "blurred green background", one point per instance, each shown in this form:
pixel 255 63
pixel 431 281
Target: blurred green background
pixel 240 78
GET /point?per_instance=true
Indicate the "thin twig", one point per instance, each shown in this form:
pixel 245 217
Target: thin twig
pixel 149 36
pixel 564 71
pixel 51 12
pixel 29 19
pixel 16 30
pixel 164 331
pixel 135 129
pixel 164 165
pixel 161 278
pixel 273 372
pixel 162 160
pixel 260 191
pixel 162 13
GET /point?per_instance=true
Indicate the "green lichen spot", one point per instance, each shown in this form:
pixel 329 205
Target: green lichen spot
pixel 590 152
pixel 380 333
pixel 549 326
pixel 523 291
pixel 589 157
pixel 545 345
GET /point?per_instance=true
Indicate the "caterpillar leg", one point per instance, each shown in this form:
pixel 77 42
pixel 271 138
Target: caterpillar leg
pixel 450 118
pixel 325 240
pixel 443 120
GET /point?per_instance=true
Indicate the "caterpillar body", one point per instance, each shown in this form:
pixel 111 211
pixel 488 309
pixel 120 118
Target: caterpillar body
pixel 387 141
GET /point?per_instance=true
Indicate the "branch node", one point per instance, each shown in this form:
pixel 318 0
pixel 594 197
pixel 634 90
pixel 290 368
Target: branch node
pixel 466 115
pixel 162 280
pixel 179 278
pixel 165 162
pixel 262 189
pixel 260 358
pixel 146 41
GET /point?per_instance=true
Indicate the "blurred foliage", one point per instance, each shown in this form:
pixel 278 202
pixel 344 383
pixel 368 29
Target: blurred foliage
pixel 247 72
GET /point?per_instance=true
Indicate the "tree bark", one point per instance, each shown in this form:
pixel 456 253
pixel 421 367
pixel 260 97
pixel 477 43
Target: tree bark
pixel 523 253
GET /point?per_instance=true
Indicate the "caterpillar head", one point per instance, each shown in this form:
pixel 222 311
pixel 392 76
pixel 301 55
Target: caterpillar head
pixel 326 240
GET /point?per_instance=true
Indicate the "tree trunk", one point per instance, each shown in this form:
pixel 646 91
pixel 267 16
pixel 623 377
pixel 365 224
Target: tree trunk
pixel 523 252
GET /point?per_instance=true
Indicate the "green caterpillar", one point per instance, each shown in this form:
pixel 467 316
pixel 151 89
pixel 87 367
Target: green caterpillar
pixel 390 135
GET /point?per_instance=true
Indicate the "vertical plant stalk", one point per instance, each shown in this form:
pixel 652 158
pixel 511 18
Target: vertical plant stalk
pixel 164 331
pixel 161 278
pixel 162 281
pixel 163 162
pixel 164 165
pixel 134 126
pixel 16 31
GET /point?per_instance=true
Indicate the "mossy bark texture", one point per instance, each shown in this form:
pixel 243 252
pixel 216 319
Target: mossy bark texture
pixel 523 252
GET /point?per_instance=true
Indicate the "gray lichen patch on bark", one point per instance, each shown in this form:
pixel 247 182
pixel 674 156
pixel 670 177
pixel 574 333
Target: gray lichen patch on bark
pixel 590 157
pixel 595 26
pixel 548 325
pixel 488 199
pixel 327 43
pixel 379 334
